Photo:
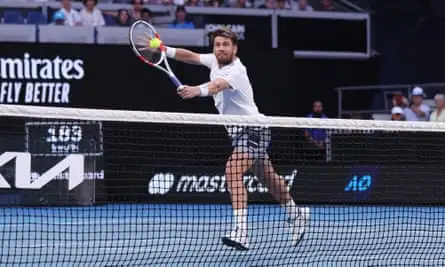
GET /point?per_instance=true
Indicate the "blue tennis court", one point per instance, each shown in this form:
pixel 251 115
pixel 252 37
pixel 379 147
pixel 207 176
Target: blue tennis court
pixel 189 235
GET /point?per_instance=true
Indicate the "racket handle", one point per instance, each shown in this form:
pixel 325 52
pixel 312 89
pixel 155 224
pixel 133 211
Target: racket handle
pixel 175 81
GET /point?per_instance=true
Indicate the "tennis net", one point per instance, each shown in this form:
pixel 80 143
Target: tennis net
pixel 84 187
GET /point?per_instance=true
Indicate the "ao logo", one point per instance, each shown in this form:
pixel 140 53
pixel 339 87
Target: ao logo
pixel 161 183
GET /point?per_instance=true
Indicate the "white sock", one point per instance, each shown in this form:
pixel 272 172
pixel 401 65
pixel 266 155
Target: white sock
pixel 291 209
pixel 240 219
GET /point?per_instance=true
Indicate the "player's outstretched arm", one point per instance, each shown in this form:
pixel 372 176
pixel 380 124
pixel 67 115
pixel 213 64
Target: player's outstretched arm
pixel 206 89
pixel 183 55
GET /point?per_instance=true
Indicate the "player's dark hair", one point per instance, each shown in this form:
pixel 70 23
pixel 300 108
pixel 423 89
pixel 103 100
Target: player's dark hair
pixel 226 33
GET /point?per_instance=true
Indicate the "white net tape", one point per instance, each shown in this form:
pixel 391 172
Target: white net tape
pixel 212 119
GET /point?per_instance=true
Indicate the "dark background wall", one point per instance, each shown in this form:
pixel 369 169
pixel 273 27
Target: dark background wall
pixel 115 78
pixel 409 35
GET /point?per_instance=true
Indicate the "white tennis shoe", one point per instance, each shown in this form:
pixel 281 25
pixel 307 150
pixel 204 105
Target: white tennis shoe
pixel 297 226
pixel 237 239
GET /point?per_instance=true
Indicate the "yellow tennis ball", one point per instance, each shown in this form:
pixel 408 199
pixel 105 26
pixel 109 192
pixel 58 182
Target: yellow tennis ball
pixel 155 43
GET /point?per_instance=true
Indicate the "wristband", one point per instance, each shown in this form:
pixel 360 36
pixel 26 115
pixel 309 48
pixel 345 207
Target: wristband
pixel 170 51
pixel 204 88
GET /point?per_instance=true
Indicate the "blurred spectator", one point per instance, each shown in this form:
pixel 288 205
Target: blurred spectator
pixel 180 22
pixel 174 2
pixel 134 14
pixel 268 4
pixel 91 15
pixel 146 15
pixel 58 18
pixel 398 100
pixel 213 3
pixel 241 4
pixel 326 5
pixel 282 4
pixel 194 3
pixel 72 17
pixel 302 5
pixel 316 137
pixel 123 18
pixel 314 149
pixel 136 11
pixel 128 1
pixel 438 115
pixel 397 114
pixel 417 111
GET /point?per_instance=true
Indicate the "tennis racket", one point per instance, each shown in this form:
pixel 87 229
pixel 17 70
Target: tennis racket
pixel 141 33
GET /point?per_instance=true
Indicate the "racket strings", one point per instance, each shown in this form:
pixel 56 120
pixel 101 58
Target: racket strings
pixel 141 36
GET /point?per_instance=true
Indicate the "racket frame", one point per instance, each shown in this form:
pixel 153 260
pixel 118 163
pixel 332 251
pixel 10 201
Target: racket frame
pixel 163 49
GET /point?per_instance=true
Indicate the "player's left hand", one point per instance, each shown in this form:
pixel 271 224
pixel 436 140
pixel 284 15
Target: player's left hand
pixel 187 92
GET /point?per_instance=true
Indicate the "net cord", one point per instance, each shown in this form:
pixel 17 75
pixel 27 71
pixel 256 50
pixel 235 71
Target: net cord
pixel 83 114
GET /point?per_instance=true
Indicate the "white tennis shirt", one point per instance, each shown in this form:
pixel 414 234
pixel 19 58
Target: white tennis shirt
pixel 237 100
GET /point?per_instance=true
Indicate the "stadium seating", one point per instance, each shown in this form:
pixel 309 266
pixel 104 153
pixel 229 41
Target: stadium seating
pixel 109 20
pixel 36 17
pixel 13 17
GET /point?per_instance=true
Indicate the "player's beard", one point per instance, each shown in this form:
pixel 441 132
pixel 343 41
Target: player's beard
pixel 225 59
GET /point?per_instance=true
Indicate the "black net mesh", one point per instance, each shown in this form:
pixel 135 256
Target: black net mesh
pixel 157 194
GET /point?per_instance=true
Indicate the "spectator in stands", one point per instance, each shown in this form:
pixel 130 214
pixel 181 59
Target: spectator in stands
pixel 129 1
pixel 302 5
pixel 91 15
pixel 194 3
pixel 123 18
pixel 136 11
pixel 59 18
pixel 72 17
pixel 213 3
pixel 180 22
pixel 314 149
pixel 316 137
pixel 417 111
pixel 282 4
pixel 241 4
pixel 438 115
pixel 147 15
pixel 397 114
pixel 268 4
pixel 326 5
pixel 398 100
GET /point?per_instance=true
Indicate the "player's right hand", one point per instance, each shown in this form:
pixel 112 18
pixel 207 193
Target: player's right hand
pixel 187 92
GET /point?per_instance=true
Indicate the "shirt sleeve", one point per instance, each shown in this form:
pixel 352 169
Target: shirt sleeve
pixel 433 116
pixel 207 60
pixel 236 77
pixel 101 18
pixel 77 17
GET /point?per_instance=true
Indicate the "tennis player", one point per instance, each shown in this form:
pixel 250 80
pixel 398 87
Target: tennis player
pixel 232 92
